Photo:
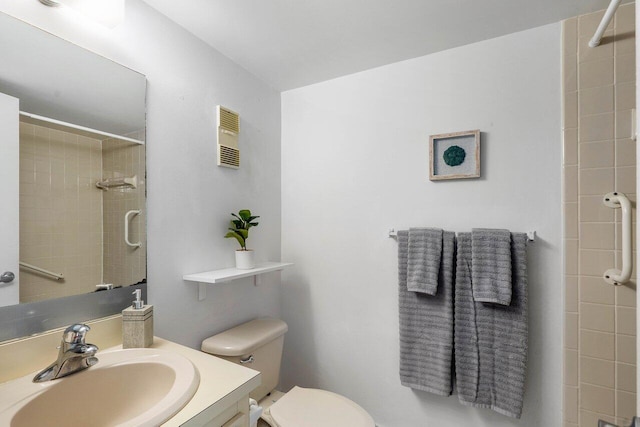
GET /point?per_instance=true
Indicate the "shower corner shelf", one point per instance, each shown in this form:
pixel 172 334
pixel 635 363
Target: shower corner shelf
pixel 229 274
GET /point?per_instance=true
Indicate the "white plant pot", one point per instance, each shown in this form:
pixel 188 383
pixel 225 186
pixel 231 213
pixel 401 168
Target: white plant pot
pixel 245 260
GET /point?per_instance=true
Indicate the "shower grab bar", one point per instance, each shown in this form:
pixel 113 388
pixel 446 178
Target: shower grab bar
pixel 531 235
pixel 56 276
pixel 613 276
pixel 126 229
pixel 606 19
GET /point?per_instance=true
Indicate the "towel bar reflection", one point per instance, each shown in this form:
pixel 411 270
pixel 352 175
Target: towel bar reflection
pixel 126 229
pixel 613 276
pixel 531 235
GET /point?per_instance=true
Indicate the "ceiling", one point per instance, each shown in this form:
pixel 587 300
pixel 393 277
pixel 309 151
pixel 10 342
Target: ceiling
pixel 293 43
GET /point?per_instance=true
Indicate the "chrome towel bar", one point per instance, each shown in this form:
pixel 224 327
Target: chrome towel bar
pixel 531 235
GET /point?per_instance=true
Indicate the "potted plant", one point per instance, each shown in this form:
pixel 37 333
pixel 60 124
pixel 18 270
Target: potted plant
pixel 239 230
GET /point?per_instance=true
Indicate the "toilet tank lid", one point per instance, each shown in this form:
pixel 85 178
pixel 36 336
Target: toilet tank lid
pixel 245 338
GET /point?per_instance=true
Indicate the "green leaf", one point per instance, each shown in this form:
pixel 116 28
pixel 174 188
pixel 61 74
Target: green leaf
pixel 238 237
pixel 232 233
pixel 239 227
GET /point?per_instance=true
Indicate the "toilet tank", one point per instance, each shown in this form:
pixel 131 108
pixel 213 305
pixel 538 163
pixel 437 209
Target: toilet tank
pixel 257 345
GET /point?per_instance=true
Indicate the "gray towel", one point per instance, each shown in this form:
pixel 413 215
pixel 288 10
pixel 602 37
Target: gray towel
pixel 491 340
pixel 426 325
pixel 423 265
pixel 491 269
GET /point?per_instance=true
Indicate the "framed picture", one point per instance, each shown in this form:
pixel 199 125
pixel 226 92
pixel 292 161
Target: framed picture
pixel 454 155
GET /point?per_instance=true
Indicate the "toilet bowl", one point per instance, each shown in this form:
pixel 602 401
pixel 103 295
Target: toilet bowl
pixel 258 345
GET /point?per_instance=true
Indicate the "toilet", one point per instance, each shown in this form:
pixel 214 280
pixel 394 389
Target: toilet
pixel 258 345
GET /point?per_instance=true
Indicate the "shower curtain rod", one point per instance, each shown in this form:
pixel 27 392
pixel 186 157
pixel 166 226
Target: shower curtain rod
pixel 80 128
pixel 606 19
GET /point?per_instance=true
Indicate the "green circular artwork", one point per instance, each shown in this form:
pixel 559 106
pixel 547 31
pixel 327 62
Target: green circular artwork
pixel 454 155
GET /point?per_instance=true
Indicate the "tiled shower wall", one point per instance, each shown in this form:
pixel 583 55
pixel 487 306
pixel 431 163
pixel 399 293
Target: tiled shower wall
pixel 599 157
pixel 67 224
pixel 124 265
pixel 60 212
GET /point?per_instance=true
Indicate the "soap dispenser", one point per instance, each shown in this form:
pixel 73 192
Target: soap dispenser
pixel 137 323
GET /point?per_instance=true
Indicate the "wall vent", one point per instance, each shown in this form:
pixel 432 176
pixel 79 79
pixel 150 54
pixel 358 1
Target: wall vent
pixel 228 129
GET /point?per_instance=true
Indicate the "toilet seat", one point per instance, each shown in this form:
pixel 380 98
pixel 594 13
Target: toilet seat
pixel 309 407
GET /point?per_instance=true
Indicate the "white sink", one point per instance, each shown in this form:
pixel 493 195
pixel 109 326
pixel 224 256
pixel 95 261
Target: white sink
pixel 133 387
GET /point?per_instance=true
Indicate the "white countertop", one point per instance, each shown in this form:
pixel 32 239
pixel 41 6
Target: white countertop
pixel 222 383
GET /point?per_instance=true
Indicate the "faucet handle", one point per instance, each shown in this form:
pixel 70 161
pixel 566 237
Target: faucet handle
pixel 75 333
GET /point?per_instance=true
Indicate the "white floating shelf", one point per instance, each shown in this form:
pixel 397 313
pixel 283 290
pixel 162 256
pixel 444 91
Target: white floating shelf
pixel 228 274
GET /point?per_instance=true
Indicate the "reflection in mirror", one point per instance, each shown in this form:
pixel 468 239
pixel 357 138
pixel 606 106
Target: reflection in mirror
pixel 81 155
pixel 68 225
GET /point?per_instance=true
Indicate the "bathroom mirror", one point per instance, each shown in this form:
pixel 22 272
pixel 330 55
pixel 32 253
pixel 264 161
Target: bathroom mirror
pixel 81 180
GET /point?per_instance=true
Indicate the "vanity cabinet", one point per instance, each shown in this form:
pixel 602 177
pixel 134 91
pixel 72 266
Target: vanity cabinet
pixel 236 415
pixel 239 420
pixel 222 398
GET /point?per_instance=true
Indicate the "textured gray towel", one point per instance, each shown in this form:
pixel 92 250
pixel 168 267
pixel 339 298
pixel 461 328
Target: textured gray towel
pixel 423 264
pixel 426 325
pixel 491 270
pixel 490 339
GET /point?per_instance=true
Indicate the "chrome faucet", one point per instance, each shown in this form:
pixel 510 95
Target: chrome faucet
pixel 74 355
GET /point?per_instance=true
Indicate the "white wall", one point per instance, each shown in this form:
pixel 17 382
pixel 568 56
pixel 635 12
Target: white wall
pixel 637 242
pixel 355 164
pixel 189 197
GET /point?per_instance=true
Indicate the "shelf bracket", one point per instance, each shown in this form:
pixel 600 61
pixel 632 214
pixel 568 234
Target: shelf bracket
pixel 202 291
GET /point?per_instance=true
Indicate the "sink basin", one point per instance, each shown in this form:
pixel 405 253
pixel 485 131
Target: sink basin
pixel 133 387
